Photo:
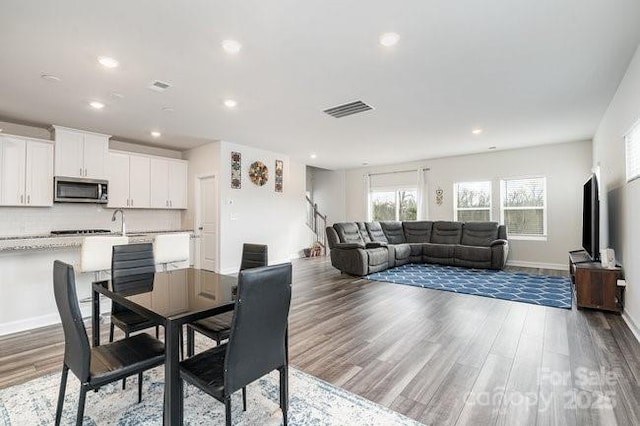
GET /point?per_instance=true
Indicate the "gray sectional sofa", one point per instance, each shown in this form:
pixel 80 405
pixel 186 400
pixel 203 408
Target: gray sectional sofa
pixel 361 248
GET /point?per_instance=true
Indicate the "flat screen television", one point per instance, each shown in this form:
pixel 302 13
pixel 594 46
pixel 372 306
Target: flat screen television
pixel 591 218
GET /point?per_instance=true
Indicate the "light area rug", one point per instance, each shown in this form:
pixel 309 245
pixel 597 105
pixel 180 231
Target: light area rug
pixel 311 402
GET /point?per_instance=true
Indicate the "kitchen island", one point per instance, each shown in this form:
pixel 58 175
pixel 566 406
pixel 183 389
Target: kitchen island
pixel 26 288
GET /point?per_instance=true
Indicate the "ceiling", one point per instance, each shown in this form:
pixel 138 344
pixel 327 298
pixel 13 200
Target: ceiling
pixel 526 72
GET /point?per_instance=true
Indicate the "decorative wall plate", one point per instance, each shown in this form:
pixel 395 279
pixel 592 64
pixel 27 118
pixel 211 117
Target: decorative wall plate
pixel 258 173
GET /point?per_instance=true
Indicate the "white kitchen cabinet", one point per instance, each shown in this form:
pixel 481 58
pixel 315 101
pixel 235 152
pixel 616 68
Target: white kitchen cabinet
pixel 39 174
pixel 26 168
pixel 168 184
pixel 139 179
pixel 128 180
pixel 80 154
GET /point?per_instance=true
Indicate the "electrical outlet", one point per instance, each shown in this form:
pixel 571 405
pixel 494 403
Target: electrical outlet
pixel 622 283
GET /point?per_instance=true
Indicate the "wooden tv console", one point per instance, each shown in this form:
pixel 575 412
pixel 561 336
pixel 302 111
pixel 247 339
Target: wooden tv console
pixel 595 286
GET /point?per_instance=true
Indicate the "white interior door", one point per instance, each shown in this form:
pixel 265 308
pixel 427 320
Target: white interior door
pixel 208 223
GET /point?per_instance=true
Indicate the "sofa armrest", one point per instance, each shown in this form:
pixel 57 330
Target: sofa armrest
pixel 498 243
pixel 375 244
pixel 499 253
pixel 349 246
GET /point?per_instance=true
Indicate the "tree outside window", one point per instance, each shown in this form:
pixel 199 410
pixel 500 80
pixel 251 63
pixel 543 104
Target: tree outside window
pixel 398 204
pixel 523 206
pixel 472 201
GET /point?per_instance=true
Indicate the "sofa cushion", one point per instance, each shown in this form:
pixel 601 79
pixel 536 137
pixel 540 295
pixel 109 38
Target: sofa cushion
pixel 363 232
pixel 416 255
pixel 418 231
pixel 446 232
pixel 348 232
pixel 402 251
pixel 375 232
pixel 473 256
pixel 394 232
pixel 378 256
pixel 439 253
pixel 479 234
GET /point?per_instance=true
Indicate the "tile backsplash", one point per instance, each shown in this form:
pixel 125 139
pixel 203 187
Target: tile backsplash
pixel 18 221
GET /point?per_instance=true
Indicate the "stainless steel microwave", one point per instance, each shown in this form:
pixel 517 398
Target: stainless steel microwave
pixel 80 190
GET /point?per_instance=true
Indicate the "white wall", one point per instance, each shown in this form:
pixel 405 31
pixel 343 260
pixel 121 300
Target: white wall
pixel 566 167
pixel 620 228
pixel 328 191
pixel 252 214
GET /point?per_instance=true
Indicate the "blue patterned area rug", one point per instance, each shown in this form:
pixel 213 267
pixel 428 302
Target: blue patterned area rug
pixel 543 290
pixel 311 402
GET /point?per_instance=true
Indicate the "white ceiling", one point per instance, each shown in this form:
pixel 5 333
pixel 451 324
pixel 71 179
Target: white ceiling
pixel 527 72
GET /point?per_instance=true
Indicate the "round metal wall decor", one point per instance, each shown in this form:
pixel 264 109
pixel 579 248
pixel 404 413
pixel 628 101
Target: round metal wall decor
pixel 258 173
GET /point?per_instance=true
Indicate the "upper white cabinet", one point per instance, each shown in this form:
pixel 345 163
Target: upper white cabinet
pixel 129 178
pixel 80 154
pixel 143 181
pixel 168 183
pixel 26 169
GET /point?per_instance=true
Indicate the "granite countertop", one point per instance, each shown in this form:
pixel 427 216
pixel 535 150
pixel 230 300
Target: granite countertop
pixel 49 241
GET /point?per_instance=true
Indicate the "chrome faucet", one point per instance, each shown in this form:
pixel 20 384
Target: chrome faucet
pixel 113 219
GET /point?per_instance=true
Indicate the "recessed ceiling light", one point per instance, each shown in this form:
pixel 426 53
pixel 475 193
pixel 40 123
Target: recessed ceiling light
pixel 117 95
pixel 365 164
pixel 312 156
pixel 476 131
pixel 231 46
pixel 492 147
pixel 167 109
pixel 96 105
pixel 389 39
pixel 51 78
pixel 108 62
pixel 230 103
pixel 156 134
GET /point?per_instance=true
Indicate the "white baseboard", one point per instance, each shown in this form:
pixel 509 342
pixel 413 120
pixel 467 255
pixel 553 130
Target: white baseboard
pixel 45 320
pixel 526 264
pixel 632 325
pixel 28 324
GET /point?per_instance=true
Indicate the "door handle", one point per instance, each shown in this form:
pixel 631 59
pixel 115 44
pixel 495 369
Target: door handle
pixel 21 199
pixel 132 202
pixel 80 171
pixel 28 199
pixel 200 228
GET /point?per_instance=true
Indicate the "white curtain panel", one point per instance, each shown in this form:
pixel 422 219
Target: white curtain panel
pixel 367 196
pixel 422 194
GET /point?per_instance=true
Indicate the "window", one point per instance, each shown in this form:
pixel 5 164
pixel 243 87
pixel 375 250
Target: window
pixel 394 204
pixel 523 207
pixel 632 154
pixel 472 201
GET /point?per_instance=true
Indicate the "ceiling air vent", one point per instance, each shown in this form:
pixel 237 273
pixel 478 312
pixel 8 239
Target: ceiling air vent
pixel 159 86
pixel 348 109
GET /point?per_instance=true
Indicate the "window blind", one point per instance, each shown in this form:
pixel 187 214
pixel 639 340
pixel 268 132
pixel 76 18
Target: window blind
pixel 523 205
pixel 632 154
pixel 394 179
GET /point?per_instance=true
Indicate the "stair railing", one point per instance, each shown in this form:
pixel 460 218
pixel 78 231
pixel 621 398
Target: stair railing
pixel 317 222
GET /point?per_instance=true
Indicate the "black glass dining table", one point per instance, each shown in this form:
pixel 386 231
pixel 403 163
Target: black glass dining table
pixel 176 298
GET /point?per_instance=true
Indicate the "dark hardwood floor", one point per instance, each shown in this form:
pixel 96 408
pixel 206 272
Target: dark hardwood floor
pixel 438 357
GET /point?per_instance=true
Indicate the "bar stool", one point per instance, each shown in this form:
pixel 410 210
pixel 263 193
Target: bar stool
pixel 171 248
pixel 95 255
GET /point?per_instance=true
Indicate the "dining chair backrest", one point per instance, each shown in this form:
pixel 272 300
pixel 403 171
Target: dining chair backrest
pixel 254 256
pixel 257 341
pixel 77 352
pixel 132 268
pixel 95 253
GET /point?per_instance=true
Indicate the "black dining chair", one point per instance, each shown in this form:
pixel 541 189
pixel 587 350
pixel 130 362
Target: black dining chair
pixel 100 365
pixel 256 345
pixel 132 271
pixel 218 327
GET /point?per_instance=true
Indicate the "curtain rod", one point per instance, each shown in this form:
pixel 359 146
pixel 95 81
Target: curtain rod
pixel 424 169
